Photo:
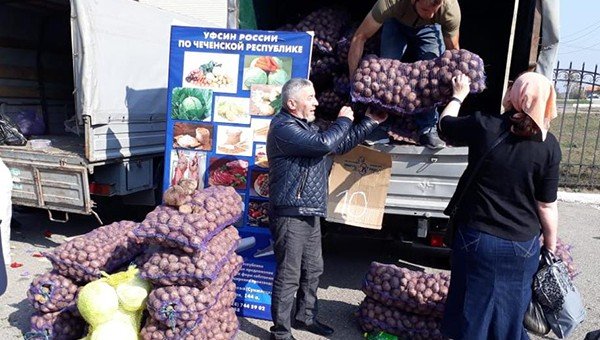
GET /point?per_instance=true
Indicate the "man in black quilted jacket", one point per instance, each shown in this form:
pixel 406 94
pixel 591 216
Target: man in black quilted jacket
pixel 299 166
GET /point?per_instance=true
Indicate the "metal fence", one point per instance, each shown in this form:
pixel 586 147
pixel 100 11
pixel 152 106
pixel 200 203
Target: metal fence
pixel 578 126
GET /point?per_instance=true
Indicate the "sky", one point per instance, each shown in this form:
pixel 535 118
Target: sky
pixel 579 33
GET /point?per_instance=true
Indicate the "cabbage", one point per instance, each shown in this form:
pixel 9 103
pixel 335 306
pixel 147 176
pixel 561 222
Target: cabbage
pixel 191 106
pixel 278 61
pixel 115 329
pixel 97 302
pixel 278 77
pixel 254 75
pixel 132 295
pixel 132 318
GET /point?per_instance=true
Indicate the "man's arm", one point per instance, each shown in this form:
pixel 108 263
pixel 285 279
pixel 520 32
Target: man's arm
pixel 365 31
pixel 360 131
pixel 294 140
pixel 452 42
pixel 548 213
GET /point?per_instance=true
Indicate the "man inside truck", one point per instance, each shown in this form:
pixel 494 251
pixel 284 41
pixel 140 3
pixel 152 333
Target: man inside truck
pixel 410 30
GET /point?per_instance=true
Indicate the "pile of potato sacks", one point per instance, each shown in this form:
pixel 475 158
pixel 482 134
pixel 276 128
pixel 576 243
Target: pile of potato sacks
pixel 403 302
pixel 185 253
pixel 401 89
pixel 410 304
pixel 192 268
pixel 75 263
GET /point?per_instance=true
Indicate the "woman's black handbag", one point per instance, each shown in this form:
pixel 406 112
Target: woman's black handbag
pixel 535 320
pixel 560 300
pixel 457 198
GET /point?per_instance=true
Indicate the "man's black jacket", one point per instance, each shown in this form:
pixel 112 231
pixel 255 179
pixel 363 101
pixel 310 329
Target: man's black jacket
pixel 299 165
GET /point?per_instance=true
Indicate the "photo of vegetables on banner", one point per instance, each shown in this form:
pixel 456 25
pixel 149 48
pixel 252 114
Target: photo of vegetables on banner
pixel 224 88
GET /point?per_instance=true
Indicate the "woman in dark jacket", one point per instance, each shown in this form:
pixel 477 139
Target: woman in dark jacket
pixel 511 200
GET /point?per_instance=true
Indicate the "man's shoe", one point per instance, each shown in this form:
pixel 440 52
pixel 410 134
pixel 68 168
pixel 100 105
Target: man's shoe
pixel 316 328
pixel 274 338
pixel 431 140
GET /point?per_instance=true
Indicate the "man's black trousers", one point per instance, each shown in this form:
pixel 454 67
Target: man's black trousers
pixel 299 265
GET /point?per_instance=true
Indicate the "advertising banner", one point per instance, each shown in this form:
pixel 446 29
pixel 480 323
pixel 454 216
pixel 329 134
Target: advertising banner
pixel 224 88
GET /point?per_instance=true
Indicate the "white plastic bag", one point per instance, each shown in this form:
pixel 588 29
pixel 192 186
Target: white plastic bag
pixel 5 209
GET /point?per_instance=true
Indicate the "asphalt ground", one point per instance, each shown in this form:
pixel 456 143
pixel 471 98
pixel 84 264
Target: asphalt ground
pixel 347 259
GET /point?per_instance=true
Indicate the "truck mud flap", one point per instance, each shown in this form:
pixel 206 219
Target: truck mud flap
pixel 50 186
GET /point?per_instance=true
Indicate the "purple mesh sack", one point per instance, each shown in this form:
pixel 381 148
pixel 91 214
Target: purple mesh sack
pixel 191 226
pixel 52 292
pixel 63 325
pixel 328 25
pixel 374 316
pixel 103 249
pixel 219 322
pixel 407 290
pixel 404 88
pixel 169 267
pixel 182 306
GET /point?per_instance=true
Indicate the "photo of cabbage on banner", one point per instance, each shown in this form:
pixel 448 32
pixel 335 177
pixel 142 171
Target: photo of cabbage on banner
pixel 191 104
pixel 266 70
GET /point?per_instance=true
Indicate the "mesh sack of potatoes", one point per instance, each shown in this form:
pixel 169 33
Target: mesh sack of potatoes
pixel 63 325
pixel 181 306
pixel 330 104
pixel 189 222
pixel 52 292
pixel 104 249
pixel 219 322
pixel 322 69
pixel 407 88
pixel 328 24
pixel 343 45
pixel 374 316
pixel 408 290
pixel 341 85
pixel 168 266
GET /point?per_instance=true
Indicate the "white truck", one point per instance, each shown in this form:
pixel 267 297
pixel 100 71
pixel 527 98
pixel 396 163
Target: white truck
pixel 100 68
pixel 93 75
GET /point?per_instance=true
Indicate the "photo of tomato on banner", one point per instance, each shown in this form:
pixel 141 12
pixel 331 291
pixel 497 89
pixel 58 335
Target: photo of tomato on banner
pixel 228 172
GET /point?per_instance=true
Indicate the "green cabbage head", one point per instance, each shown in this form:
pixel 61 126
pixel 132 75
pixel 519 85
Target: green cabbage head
pixel 192 106
pixel 254 75
pixel 278 77
pixel 97 302
pixel 115 329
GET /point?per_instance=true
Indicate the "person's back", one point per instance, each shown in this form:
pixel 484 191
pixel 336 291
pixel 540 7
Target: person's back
pixel 510 181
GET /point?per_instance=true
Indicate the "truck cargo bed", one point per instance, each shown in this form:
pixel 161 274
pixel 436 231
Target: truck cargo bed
pixel 54 179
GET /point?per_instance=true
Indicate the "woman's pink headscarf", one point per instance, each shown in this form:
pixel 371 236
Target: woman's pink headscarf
pixel 533 94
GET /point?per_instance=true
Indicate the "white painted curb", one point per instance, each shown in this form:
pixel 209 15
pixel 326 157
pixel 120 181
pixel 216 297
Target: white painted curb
pixel 576 197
